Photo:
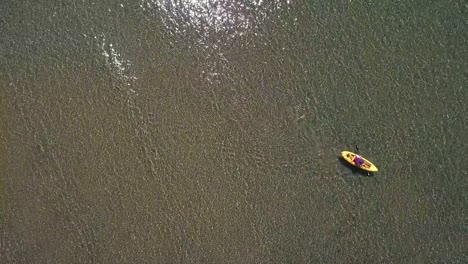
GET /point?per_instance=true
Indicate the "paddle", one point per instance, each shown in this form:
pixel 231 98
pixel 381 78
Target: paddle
pixel 357 152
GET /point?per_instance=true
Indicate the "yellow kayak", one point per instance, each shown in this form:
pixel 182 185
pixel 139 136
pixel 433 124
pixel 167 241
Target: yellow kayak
pixel 367 165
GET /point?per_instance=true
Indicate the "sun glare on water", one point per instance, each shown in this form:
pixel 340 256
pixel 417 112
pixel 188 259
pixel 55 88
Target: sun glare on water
pixel 211 16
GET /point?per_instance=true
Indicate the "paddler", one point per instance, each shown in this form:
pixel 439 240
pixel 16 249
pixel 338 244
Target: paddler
pixel 358 160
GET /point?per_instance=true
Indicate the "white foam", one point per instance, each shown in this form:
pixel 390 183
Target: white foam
pixel 119 66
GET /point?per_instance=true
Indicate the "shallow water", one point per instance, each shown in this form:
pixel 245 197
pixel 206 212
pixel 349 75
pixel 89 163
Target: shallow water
pixel 209 132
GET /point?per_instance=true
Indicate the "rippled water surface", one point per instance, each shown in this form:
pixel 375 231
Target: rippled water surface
pixel 154 131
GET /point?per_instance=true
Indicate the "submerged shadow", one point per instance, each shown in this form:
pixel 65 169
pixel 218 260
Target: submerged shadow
pixel 353 169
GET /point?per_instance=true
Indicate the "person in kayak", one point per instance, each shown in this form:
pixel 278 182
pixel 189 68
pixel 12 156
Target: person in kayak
pixel 358 160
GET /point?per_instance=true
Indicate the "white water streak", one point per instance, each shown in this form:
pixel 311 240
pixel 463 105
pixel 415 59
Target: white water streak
pixel 119 66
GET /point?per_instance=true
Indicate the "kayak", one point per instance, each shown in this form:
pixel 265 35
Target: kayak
pixel 367 165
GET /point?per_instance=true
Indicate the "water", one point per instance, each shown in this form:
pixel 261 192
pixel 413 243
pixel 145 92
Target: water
pixel 209 132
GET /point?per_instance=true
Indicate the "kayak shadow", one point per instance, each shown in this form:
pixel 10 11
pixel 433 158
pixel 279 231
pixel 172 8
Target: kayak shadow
pixel 353 169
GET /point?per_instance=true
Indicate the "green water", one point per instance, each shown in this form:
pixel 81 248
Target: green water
pixel 141 132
